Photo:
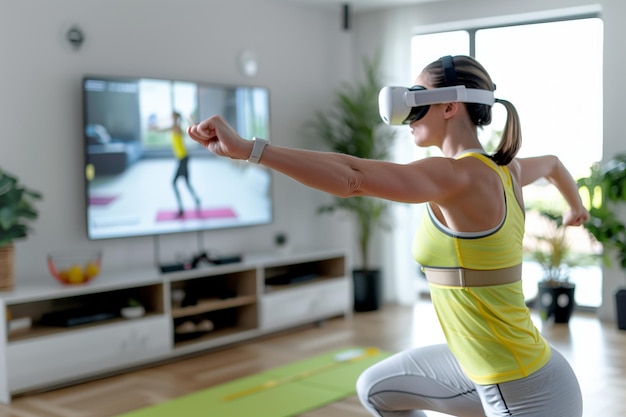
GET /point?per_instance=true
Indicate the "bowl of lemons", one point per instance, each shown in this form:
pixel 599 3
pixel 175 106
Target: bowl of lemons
pixel 75 268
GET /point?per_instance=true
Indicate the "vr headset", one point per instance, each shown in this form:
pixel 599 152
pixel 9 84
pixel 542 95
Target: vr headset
pixel 402 105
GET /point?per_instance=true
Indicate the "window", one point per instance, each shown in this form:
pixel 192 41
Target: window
pixel 552 73
pixel 427 48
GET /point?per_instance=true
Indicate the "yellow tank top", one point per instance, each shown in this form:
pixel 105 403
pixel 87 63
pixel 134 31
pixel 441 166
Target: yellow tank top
pixel 178 146
pixel 488 329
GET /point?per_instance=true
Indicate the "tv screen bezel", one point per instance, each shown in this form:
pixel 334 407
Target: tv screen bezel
pixel 200 228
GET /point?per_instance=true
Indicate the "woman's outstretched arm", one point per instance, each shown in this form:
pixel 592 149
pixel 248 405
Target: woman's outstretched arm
pixel 551 168
pixel 338 174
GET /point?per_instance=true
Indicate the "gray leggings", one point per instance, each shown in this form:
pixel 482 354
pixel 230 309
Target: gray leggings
pixel 430 378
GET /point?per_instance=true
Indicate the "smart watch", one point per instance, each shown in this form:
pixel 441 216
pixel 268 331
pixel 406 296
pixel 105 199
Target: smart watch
pixel 257 149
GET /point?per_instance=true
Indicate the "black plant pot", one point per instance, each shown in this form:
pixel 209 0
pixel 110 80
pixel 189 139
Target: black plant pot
pixel 556 300
pixel 620 304
pixel 367 290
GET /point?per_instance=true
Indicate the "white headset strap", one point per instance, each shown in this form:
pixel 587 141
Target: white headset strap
pixel 447 95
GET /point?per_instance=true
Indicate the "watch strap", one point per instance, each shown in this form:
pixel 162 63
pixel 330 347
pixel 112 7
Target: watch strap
pixel 258 145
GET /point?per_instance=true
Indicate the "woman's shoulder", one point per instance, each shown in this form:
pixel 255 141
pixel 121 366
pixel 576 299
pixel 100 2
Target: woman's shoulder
pixel 515 169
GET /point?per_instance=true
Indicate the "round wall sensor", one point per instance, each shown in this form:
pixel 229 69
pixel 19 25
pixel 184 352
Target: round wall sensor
pixel 75 36
pixel 247 63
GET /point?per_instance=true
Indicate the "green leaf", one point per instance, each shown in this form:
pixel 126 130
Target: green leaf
pixel 17 208
pixel 604 223
pixel 353 126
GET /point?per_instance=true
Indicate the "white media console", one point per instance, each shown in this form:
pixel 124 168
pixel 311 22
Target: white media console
pixel 257 296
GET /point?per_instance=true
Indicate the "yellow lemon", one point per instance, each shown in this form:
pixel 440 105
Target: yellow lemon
pixel 91 269
pixel 75 274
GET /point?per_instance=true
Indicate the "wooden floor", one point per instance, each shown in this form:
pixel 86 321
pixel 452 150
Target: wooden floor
pixel 596 350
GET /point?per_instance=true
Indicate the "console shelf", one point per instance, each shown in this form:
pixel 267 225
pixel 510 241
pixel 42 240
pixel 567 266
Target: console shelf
pixel 73 333
pixel 205 306
pixel 38 331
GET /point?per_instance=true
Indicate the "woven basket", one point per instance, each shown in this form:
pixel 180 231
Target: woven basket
pixel 7 267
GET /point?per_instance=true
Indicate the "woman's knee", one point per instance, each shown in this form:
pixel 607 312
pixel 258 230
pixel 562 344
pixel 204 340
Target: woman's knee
pixel 364 385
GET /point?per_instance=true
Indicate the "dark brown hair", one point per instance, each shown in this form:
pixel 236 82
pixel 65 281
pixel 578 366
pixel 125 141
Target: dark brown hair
pixel 472 74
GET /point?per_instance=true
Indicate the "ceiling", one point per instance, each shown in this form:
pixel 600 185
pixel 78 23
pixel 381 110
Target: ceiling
pixel 361 5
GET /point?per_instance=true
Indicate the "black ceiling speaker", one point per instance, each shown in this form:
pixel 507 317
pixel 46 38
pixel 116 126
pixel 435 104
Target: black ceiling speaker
pixel 346 16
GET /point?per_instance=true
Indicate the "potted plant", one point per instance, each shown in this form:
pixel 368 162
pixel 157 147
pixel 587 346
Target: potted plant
pixel 552 250
pixel 132 309
pixel 605 192
pixel 353 126
pixel 16 211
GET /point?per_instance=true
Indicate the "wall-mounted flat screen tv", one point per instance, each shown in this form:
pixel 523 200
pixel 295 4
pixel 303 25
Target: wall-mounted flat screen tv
pixel 145 176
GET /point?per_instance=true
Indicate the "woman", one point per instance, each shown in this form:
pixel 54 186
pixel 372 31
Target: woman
pixel 182 157
pixel 495 362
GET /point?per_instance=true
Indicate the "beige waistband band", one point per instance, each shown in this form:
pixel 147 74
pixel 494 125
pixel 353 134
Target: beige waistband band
pixel 461 277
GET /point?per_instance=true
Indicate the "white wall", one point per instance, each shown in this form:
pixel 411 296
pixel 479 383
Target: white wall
pixel 392 29
pixel 302 52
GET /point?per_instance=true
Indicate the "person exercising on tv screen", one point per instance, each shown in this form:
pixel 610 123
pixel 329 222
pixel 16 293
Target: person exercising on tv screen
pixel 495 362
pixel 182 156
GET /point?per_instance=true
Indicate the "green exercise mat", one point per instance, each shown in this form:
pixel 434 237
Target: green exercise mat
pixel 280 392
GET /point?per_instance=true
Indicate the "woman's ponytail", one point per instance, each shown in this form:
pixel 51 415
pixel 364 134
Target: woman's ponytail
pixel 511 140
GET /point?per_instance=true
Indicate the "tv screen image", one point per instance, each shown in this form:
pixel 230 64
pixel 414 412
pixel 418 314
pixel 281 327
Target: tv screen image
pixel 145 176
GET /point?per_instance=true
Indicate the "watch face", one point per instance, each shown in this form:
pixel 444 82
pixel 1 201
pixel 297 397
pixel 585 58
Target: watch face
pixel 257 149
